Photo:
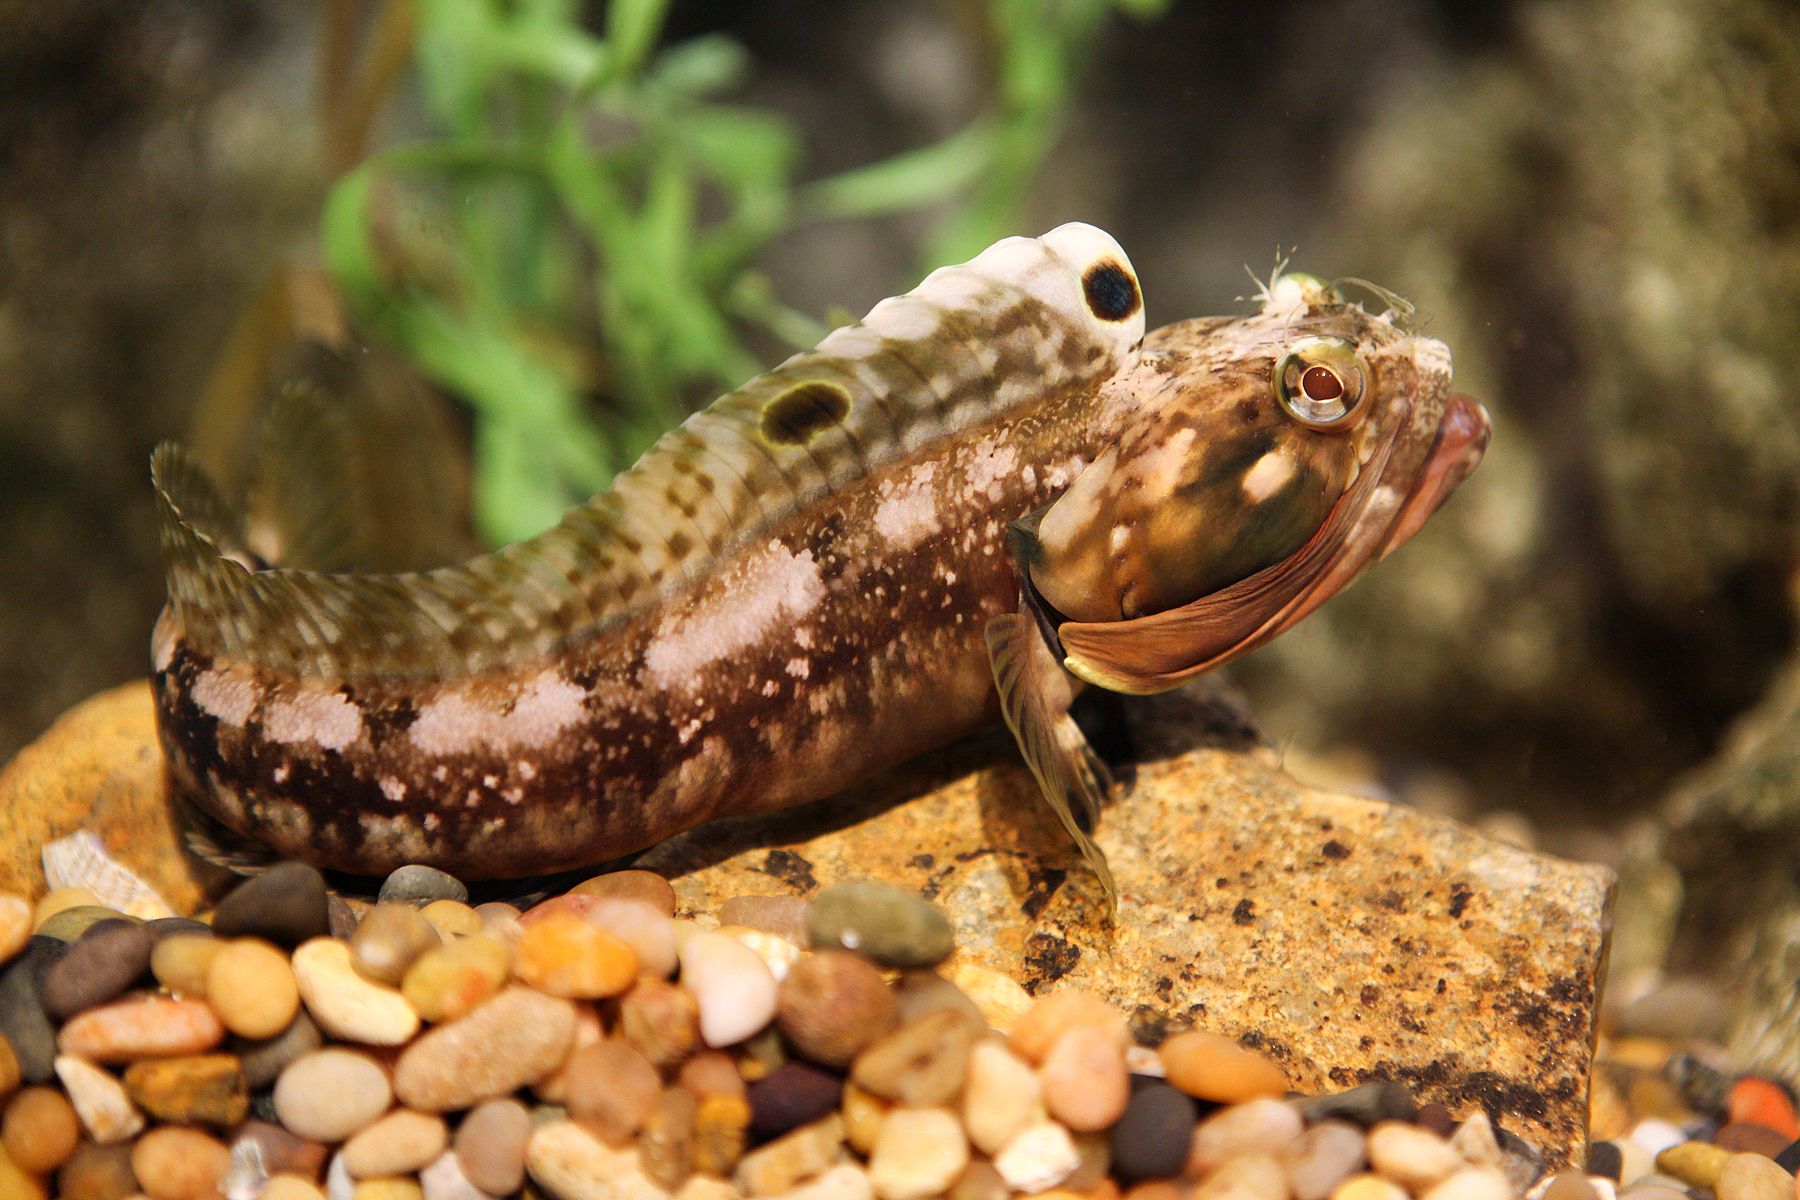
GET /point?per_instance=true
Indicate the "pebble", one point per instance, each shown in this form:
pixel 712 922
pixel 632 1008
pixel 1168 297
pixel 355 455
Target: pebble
pixel 642 926
pixel 792 1095
pixel 1210 1066
pixel 15 924
pixel 891 926
pixel 1569 1185
pixel 95 1172
pixel 1252 1177
pixel 1366 1105
pixel 633 885
pixel 388 1189
pixel 666 1141
pixel 205 1089
pixel 784 916
pixel 721 1123
pixel 1152 1137
pixel 22 1019
pixel 1756 1139
pixel 1789 1158
pixel 1753 1177
pixel 452 918
pixel 1368 1187
pixel 1656 1135
pixel 1474 1140
pixel 400 1143
pixel 925 991
pixel 279 1150
pixel 1474 1183
pixel 863 1114
pixel 570 1163
pixel 252 988
pixel 39 1130
pixel 179 1164
pixel 661 1020
pixel 1757 1101
pixel 263 1060
pixel 918 1153
pixel 107 959
pixel 1437 1118
pixel 1261 1126
pixel 490 1145
pixel 711 1073
pixel 781 1165
pixel 443 1179
pixel 331 1094
pixel 1049 1017
pixel 832 1004
pixel 181 961
pixel 777 953
pixel 1084 1079
pixel 732 985
pixel 611 1089
pixel 1522 1161
pixel 1001 1095
pixel 449 980
pixel 287 904
pixel 848 1181
pixel 1695 1163
pixel 1323 1157
pixel 61 899
pixel 514 1039
pixel 100 1101
pixel 1038 1157
pixel 565 956
pixel 388 940
pixel 10 1076
pixel 1000 999
pixel 501 920
pixel 923 1063
pixel 345 1004
pixel 141 1027
pixel 1413 1157
pixel 1702 1085
pixel 419 884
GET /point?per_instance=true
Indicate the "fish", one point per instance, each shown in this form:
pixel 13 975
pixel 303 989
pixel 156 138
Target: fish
pixel 993 492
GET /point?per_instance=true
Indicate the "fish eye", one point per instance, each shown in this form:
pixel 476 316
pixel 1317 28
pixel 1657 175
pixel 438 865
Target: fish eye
pixel 1319 381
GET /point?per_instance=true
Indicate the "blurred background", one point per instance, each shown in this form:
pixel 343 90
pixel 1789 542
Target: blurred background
pixel 548 229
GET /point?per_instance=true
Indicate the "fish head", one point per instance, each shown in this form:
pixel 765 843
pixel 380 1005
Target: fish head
pixel 1267 460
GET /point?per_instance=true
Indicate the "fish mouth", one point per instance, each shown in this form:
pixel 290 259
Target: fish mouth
pixel 1164 650
pixel 1462 438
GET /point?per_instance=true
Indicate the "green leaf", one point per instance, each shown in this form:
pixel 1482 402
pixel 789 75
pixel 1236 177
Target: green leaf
pixel 910 180
pixel 632 27
pixel 739 147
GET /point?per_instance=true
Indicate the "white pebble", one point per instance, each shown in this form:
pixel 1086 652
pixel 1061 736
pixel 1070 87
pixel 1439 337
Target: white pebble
pixel 444 1180
pixel 1656 1135
pixel 1474 1139
pixel 1001 1095
pixel 1413 1157
pixel 1038 1158
pixel 344 1003
pixel 106 1112
pixel 731 984
pixel 329 1095
pixel 640 925
pixel 572 1164
pixel 918 1153
pixel 1472 1183
pixel 1260 1126
pixel 846 1181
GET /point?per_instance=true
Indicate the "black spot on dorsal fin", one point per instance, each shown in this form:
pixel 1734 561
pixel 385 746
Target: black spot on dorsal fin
pixel 1111 292
pixel 799 414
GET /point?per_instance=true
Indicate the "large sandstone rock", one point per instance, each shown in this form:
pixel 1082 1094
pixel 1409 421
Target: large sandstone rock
pixel 1348 938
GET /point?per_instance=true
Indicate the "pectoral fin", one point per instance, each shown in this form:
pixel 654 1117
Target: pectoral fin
pixel 1035 694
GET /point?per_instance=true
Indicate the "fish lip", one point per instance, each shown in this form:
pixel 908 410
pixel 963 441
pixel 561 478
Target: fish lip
pixel 1456 450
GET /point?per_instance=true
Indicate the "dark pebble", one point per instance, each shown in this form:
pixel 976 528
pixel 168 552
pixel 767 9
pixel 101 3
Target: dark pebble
pixel 1368 1105
pixel 1789 1159
pixel 164 927
pixel 790 1096
pixel 285 904
pixel 416 883
pixel 263 1059
pixel 262 1107
pixel 22 1017
pixel 71 923
pixel 340 917
pixel 879 921
pixel 1704 1087
pixel 1435 1117
pixel 1604 1159
pixel 1746 1138
pixel 1152 1137
pixel 110 957
pixel 1522 1162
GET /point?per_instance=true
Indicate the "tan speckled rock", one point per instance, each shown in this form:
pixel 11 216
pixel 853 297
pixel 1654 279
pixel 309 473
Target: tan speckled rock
pixel 98 768
pixel 1251 906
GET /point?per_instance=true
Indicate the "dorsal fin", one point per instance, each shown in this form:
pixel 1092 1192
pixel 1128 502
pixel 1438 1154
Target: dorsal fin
pixel 1025 319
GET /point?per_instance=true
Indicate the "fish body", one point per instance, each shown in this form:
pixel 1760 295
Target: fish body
pixel 854 558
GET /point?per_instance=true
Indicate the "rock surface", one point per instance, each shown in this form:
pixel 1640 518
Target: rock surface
pixel 1349 939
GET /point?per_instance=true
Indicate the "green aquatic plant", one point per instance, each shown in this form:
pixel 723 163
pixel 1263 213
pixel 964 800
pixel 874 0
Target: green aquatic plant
pixel 570 249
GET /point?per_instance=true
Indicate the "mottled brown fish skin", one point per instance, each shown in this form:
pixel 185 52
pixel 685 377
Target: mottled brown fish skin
pixel 839 641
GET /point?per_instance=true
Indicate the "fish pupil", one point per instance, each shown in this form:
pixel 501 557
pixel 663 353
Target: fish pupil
pixel 1111 293
pixel 1321 384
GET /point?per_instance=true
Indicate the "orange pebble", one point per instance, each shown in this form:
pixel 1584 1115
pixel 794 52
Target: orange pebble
pixel 1213 1067
pixel 1760 1102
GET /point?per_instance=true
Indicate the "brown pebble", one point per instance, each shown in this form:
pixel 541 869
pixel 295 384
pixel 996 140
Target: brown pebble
pixel 1209 1066
pixel 513 1040
pixel 1754 1177
pixel 1570 1185
pixel 633 885
pixel 490 1146
pixel 1745 1138
pixel 1436 1117
pixel 661 1019
pixel 666 1141
pixel 97 1172
pixel 711 1073
pixel 1696 1163
pixel 784 916
pixel 451 918
pixel 1049 1016
pixel 10 1072
pixel 612 1088
pixel 832 1004
pixel 174 1163
pixel 283 1152
pixel 204 1089
pixel 925 991
pixel 720 1125
pixel 39 1130
pixel 389 940
pixel 181 962
pixel 922 1063
pixel 1084 1079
